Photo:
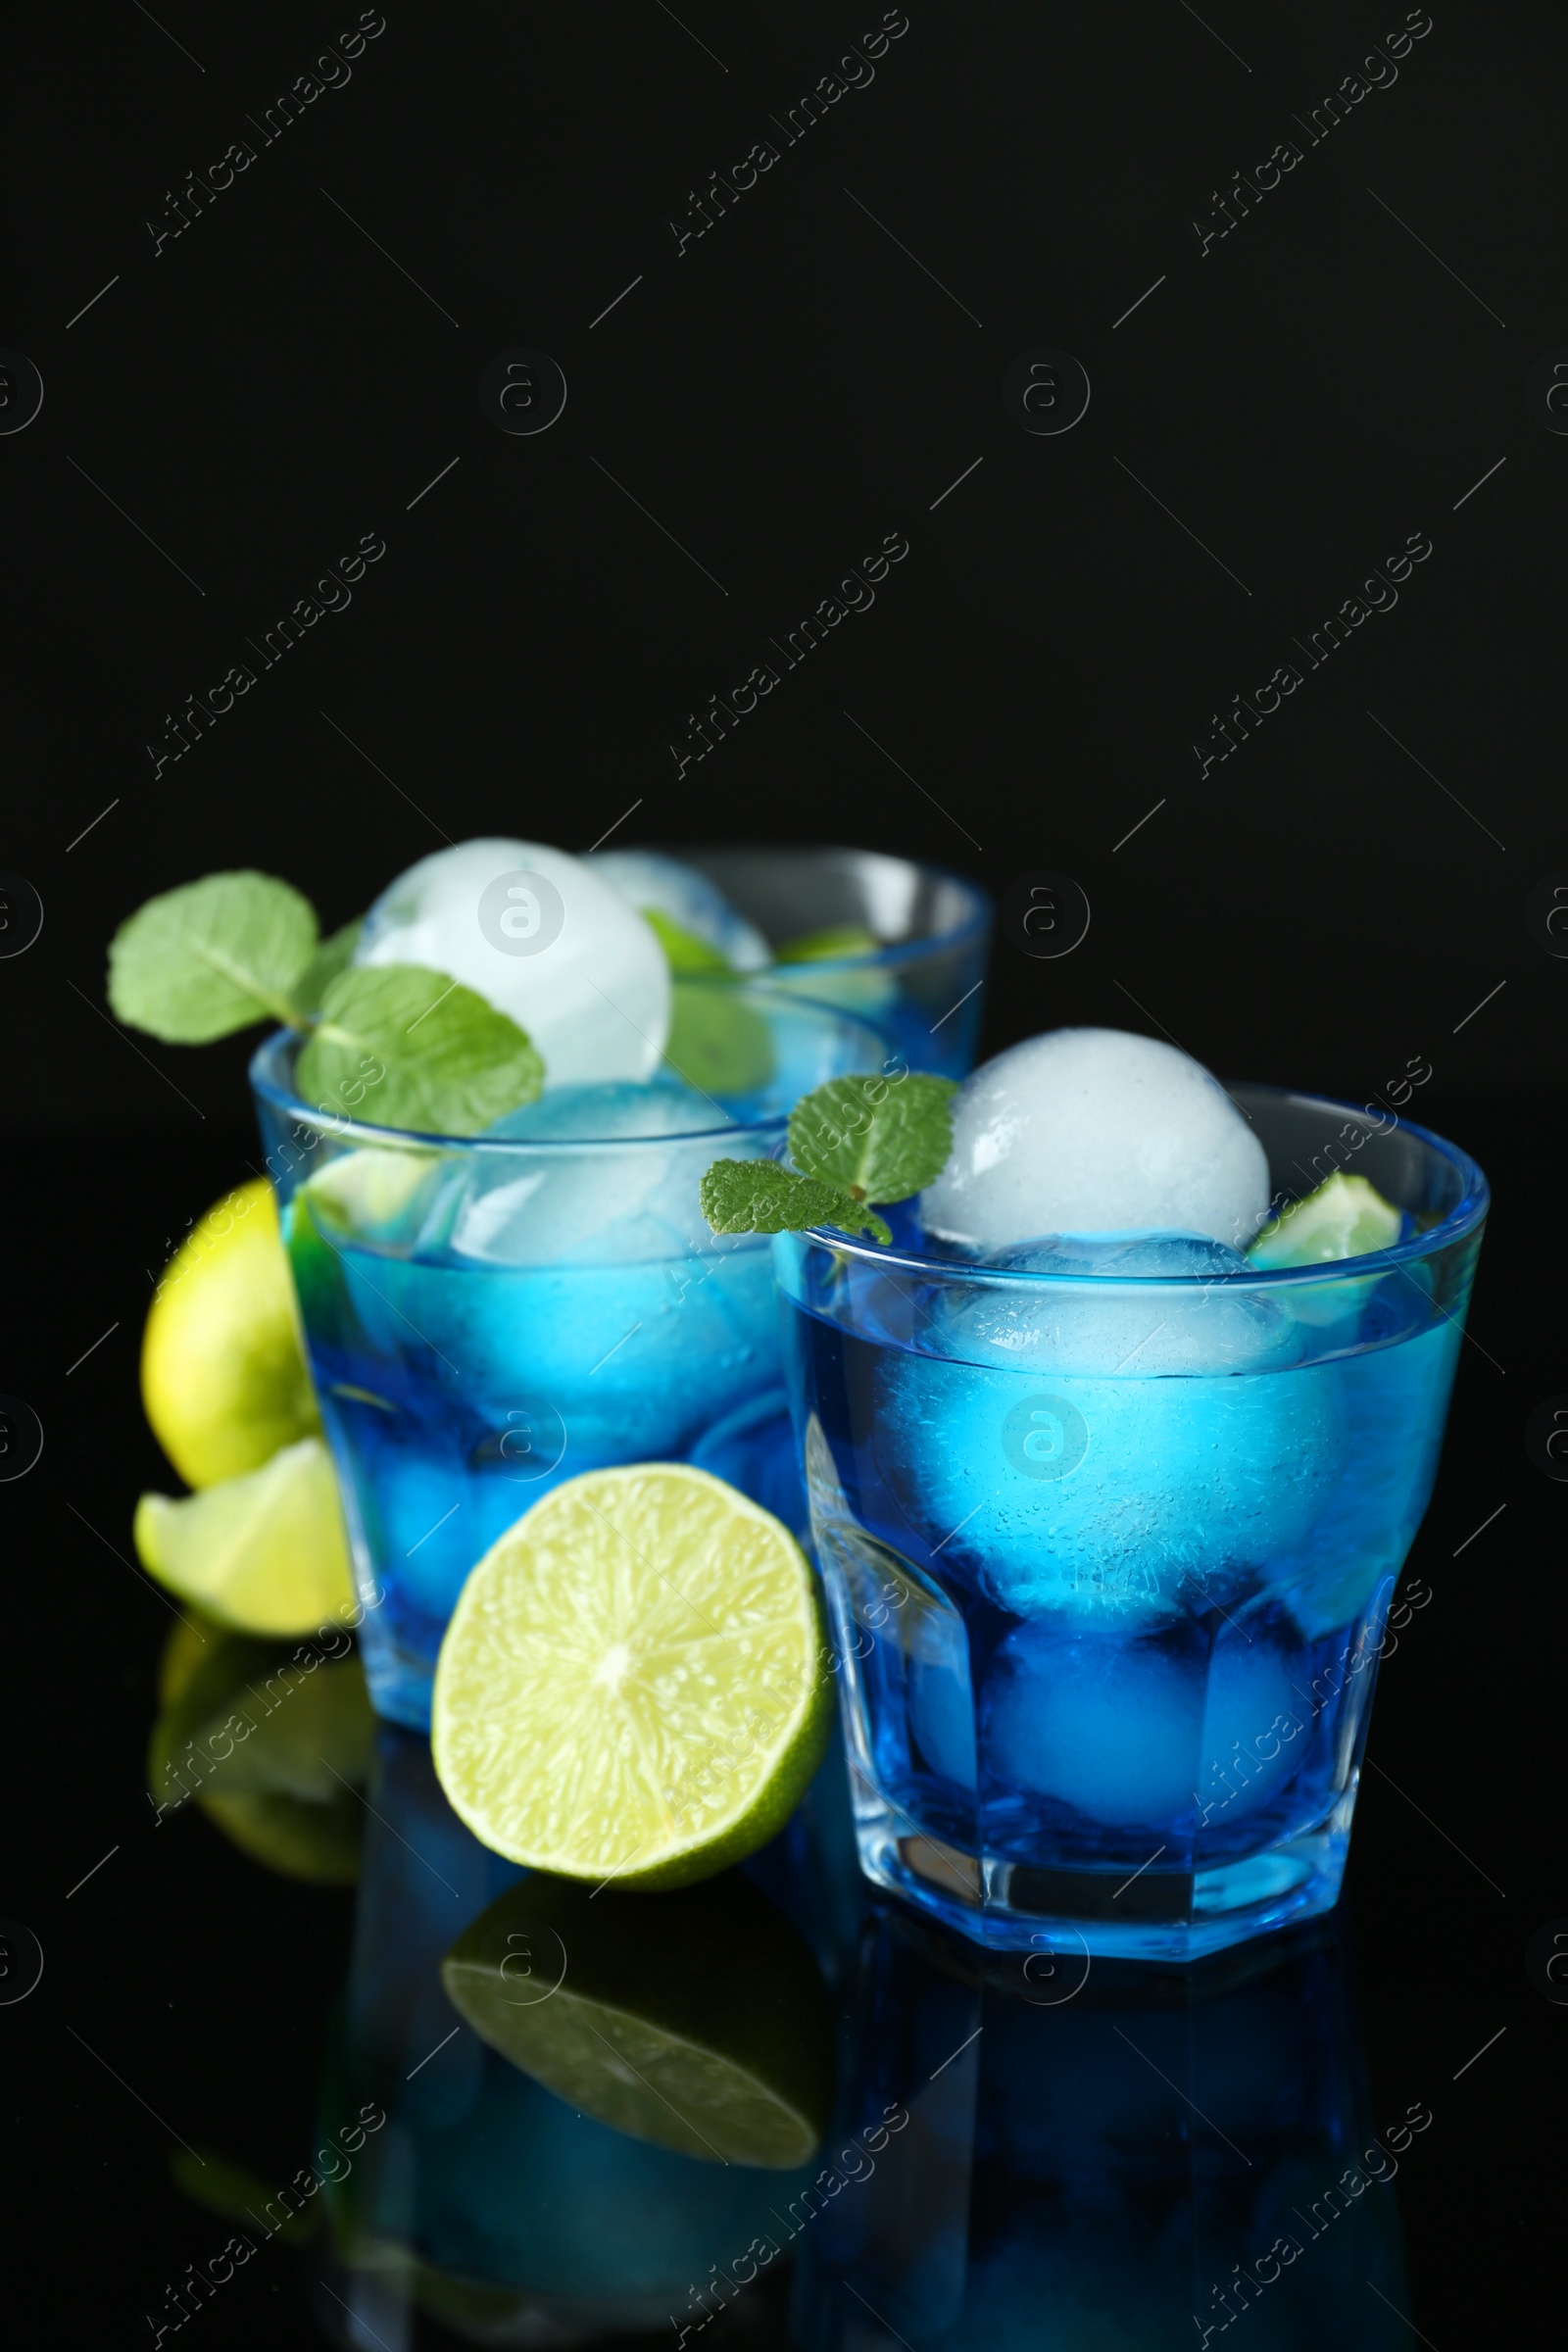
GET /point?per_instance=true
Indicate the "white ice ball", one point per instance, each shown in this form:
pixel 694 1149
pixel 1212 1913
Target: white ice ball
pixel 1096 1131
pixel 539 935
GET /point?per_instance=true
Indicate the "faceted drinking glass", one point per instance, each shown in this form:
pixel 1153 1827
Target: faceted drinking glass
pixel 485 1318
pixel 923 986
pixel 1110 1560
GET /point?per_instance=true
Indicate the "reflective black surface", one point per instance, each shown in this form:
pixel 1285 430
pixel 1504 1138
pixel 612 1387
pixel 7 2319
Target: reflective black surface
pixel 285 2104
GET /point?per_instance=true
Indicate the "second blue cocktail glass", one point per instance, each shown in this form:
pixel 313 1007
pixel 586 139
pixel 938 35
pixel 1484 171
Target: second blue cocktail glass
pixel 487 1316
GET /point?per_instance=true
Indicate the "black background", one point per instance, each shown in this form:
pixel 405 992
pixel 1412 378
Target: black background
pixel 780 395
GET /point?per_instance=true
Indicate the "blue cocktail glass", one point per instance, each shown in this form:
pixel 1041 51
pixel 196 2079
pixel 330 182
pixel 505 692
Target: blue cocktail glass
pixel 485 1316
pixel 1110 1560
pixel 923 985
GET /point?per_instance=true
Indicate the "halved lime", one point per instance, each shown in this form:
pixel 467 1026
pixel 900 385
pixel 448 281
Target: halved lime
pixel 265 1554
pixel 700 2023
pixel 632 1686
pixel 222 1374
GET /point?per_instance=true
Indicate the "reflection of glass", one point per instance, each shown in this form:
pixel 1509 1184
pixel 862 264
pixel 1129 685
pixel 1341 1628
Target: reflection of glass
pixel 1110 1558
pixel 487 1317
pixel 920 980
pixel 1163 2152
pixel 597 2104
pixel 1025 2149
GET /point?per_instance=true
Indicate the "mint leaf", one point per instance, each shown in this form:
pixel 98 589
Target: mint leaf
pixel 214 957
pixel 684 952
pixel 332 957
pixel 880 1138
pixel 757 1196
pixel 828 947
pixel 717 1043
pixel 419 1051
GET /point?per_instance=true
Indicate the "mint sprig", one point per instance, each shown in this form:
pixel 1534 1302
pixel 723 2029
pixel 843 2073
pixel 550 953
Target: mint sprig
pixel 201 961
pixel 881 1138
pixel 415 1048
pixel 757 1196
pixel 450 1064
pixel 687 955
pixel 332 957
pixel 853 1141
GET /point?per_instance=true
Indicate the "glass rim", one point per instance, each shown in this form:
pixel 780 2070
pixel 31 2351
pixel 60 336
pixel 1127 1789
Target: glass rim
pixel 1466 1217
pixel 270 1084
pixel 975 924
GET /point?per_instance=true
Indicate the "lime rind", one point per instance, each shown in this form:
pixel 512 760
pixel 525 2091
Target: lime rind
pixel 631 1688
pixel 223 1379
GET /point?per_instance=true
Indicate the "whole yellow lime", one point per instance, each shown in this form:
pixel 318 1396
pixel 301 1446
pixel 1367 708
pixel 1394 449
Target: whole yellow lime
pixel 223 1371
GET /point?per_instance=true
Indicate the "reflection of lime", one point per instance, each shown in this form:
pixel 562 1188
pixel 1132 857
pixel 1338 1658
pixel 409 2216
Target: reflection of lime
pixel 188 1647
pixel 698 2022
pixel 717 1043
pixel 631 1686
pixel 271 1749
pixel 265 1554
pixel 319 1845
pixel 222 1377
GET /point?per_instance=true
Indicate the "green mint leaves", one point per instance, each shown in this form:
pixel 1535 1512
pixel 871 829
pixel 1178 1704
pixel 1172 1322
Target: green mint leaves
pixel 757 1196
pixel 331 957
pixel 853 1141
pixel 881 1138
pixel 449 1063
pixel 415 1046
pixel 200 963
pixel 717 1043
pixel 687 955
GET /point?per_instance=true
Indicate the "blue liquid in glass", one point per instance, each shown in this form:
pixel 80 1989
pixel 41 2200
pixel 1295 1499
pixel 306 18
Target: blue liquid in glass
pixel 1108 1642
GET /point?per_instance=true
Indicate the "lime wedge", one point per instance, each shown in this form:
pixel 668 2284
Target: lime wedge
pixel 828 947
pixel 223 1376
pixel 264 1553
pixel 1345 1218
pixel 700 2023
pixel 632 1683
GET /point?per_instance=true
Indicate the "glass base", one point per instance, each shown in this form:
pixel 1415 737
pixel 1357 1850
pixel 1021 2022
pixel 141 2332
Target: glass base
pixel 1178 1916
pixel 399 1679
